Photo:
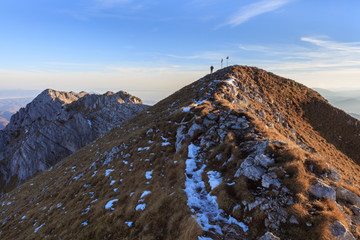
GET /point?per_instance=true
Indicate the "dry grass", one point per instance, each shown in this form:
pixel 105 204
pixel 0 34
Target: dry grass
pixel 306 152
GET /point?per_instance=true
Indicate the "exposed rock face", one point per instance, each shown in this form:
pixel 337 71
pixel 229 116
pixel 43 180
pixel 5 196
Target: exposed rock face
pixel 320 189
pixel 269 236
pixel 56 124
pixel 339 231
pixel 348 196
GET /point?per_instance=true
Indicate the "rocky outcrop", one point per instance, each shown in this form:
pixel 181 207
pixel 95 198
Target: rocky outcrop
pixel 339 231
pixel 348 196
pixel 320 189
pixel 269 236
pixel 56 124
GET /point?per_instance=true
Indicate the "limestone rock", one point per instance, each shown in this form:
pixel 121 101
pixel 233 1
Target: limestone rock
pixel 56 124
pixel 269 236
pixel 348 196
pixel 254 166
pixel 320 189
pixel 180 137
pixel 293 220
pixel 270 179
pixel 339 231
pixel 334 175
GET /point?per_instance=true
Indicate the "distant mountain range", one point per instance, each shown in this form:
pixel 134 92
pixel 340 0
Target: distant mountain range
pixel 10 106
pixel 349 101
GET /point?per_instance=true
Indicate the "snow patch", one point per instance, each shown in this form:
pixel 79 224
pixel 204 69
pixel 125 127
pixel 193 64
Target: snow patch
pixel 144 148
pixel 129 224
pixel 187 109
pixel 214 179
pixel 108 171
pixel 89 122
pixel 110 203
pixel 230 81
pixel 141 207
pixel 145 193
pixel 37 229
pixel 148 174
pixel 200 201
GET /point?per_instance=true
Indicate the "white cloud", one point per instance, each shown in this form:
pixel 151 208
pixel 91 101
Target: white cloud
pixel 204 55
pixel 255 9
pixel 352 47
pixel 315 61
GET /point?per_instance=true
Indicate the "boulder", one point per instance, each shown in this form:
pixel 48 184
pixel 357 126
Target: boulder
pixel 269 236
pixel 339 231
pixel 293 220
pixel 320 189
pixel 348 196
pixel 334 175
pixel 180 137
pixel 270 179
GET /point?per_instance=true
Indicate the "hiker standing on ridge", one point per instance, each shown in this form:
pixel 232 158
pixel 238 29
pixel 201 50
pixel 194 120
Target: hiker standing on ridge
pixel 211 69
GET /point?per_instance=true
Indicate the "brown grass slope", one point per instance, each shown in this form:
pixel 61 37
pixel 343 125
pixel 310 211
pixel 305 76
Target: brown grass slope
pixel 303 134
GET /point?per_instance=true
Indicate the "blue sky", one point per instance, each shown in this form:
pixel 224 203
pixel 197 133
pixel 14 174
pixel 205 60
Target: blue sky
pixel 152 48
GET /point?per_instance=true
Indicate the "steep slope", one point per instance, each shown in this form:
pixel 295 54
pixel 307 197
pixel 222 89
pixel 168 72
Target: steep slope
pixel 56 124
pixel 240 154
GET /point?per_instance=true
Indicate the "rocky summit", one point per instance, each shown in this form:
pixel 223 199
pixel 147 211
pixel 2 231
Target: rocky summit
pixel 56 124
pixel 239 154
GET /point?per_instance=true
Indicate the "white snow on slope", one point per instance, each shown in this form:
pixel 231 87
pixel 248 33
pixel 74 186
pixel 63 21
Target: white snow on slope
pixel 145 193
pixel 200 201
pixel 230 81
pixel 110 203
pixel 129 223
pixel 187 109
pixel 141 206
pixel 108 171
pixel 37 229
pixel 214 179
pixel 148 174
pixel 144 148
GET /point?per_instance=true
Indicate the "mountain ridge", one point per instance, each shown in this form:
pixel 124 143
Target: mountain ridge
pixel 56 124
pixel 238 154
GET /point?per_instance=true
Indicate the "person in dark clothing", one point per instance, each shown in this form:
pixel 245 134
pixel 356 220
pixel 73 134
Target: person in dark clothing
pixel 211 69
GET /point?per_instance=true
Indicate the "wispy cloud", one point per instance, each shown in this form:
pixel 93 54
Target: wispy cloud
pixel 119 9
pixel 204 55
pixel 311 55
pixel 352 47
pixel 255 9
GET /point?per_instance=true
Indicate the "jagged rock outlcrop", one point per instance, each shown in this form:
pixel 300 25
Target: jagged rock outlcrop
pixel 56 124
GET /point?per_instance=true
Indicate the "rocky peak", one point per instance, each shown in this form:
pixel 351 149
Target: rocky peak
pixel 56 124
